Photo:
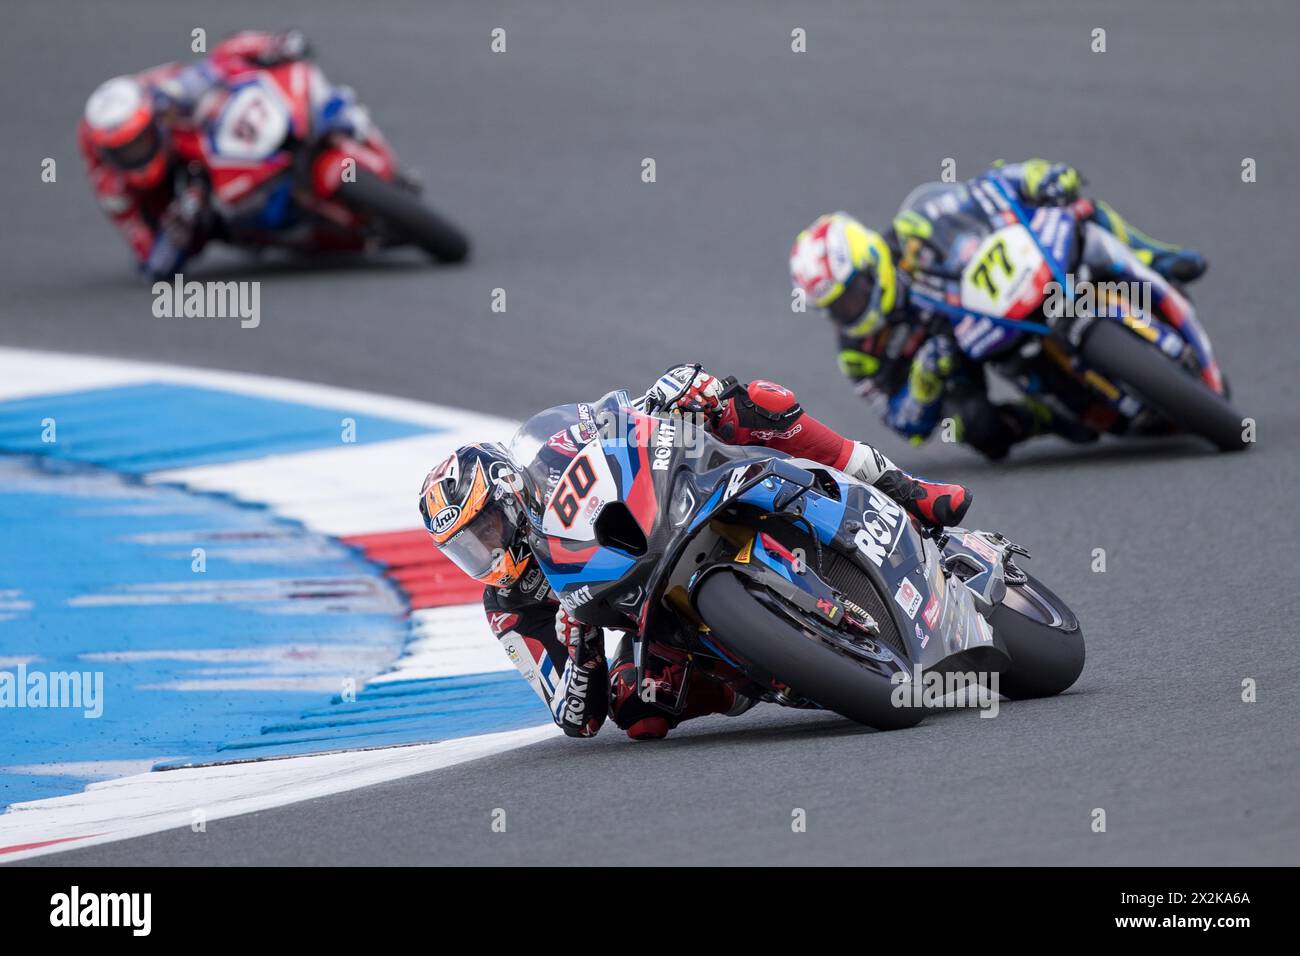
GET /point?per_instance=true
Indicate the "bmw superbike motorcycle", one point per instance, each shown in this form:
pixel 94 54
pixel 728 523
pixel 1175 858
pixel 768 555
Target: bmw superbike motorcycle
pixel 291 161
pixel 788 578
pixel 1030 292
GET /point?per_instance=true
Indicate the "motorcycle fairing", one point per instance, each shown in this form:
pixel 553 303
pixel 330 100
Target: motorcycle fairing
pixel 745 511
pixel 255 138
pixel 992 210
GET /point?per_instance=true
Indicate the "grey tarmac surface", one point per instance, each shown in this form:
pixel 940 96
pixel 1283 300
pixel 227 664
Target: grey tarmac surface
pixel 609 280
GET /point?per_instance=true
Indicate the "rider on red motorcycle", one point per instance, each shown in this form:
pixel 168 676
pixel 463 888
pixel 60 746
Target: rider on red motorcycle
pixel 125 138
pixel 474 506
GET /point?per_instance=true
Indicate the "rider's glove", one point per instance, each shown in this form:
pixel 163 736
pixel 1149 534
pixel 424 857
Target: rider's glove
pixel 182 229
pixel 164 259
pixel 581 700
pixel 685 390
pixel 1057 185
pixel 177 234
pixel 582 640
pixel 182 221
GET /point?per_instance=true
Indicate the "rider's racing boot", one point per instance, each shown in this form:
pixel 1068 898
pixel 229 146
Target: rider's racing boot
pixel 1182 265
pixel 626 707
pixel 1172 262
pixel 1038 418
pixel 642 721
pixel 936 504
pixel 650 728
pixel 993 429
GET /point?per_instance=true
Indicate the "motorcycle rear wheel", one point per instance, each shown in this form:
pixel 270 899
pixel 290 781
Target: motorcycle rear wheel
pixel 402 212
pixel 810 667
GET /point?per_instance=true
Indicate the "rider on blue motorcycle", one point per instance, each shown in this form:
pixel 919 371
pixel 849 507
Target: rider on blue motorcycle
pixel 909 366
pixel 475 504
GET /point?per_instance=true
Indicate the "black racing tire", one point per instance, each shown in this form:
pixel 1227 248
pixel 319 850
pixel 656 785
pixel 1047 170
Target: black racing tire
pixel 401 211
pixel 812 669
pixel 1042 637
pixel 1120 355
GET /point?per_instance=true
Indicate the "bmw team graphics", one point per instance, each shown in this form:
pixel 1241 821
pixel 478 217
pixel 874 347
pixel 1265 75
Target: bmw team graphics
pixel 1103 359
pixel 294 162
pixel 799 584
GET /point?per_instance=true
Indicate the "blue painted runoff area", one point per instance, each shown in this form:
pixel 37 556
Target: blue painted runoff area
pixel 143 625
pixel 395 713
pixel 98 578
pixel 154 426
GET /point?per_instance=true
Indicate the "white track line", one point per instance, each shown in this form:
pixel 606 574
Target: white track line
pixel 171 799
pixel 28 372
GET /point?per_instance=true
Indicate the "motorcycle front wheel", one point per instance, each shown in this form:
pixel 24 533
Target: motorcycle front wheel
pixel 401 211
pixel 1123 357
pixel 1042 636
pixel 797 658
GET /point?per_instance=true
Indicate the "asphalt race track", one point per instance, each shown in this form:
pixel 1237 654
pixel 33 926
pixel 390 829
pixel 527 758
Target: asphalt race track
pixel 538 153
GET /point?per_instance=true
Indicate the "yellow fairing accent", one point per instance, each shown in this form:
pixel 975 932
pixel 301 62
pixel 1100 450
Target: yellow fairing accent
pixel 1100 384
pixel 1144 329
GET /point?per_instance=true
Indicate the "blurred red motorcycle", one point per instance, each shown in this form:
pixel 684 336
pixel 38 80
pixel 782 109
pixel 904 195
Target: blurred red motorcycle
pixel 290 161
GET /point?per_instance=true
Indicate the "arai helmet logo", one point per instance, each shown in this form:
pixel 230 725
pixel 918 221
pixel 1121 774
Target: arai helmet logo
pixel 446 518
